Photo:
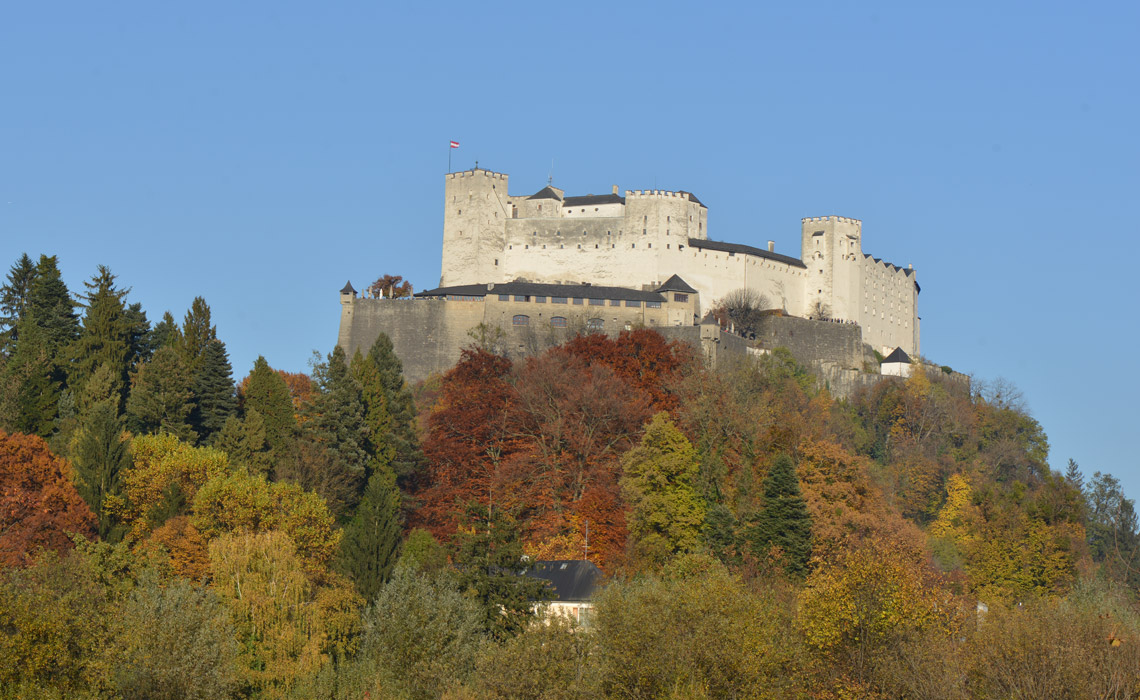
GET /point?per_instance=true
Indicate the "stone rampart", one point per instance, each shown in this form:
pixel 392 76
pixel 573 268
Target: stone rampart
pixel 813 341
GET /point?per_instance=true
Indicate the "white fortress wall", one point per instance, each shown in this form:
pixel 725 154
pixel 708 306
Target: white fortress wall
pixel 890 299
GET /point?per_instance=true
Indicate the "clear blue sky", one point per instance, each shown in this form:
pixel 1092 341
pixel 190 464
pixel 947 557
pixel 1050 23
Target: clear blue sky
pixel 258 154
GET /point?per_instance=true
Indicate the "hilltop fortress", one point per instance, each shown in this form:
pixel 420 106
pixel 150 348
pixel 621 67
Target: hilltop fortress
pixel 536 267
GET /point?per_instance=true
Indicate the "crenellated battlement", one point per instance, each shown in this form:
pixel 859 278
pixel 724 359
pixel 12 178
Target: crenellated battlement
pixel 477 172
pixel 838 219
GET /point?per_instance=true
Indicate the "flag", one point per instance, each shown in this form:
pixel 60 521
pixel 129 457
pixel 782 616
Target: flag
pixel 455 144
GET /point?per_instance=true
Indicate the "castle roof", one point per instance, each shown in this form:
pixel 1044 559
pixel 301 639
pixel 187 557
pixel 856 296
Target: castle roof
pixel 592 199
pixel 693 198
pixel 547 192
pixel 577 291
pixel 897 356
pixel 734 248
pixel 676 284
pixel 347 289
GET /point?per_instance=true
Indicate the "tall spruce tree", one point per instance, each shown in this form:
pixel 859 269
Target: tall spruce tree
pixel 106 335
pixel 31 384
pixel 164 333
pixel 160 397
pixel 371 542
pixel 215 398
pixel 50 306
pixel 267 393
pixel 243 440
pixel 389 410
pixel 13 302
pixel 335 417
pixel 141 342
pixel 100 455
pixel 784 522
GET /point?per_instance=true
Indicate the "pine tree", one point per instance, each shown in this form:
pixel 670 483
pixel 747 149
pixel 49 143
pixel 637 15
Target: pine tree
pixel 160 396
pixel 784 522
pixel 389 411
pixel 13 302
pixel 31 384
pixel 100 456
pixel 268 394
pixel 164 333
pixel 106 335
pixel 215 398
pixel 372 539
pixel 666 513
pixel 141 342
pixel 336 415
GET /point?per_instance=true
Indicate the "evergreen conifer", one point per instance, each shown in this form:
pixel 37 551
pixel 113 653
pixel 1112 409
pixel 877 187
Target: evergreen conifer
pixel 106 335
pixel 243 440
pixel 197 332
pixel 784 522
pixel 100 455
pixel 51 308
pixel 371 540
pixel 160 396
pixel 164 333
pixel 268 394
pixel 13 302
pixel 389 410
pixel 215 398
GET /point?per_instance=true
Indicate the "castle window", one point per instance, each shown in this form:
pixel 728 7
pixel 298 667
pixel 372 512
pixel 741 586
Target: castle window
pixel 615 302
pixel 596 245
pixel 632 245
pixel 557 300
pixel 584 210
pixel 520 297
pixel 496 262
pixel 595 208
pixel 540 207
pixel 650 245
pixel 514 212
pixel 666 246
pixel 633 304
pixel 526 247
pixel 597 302
pixel 540 300
pixel 579 246
pixel 645 219
pixel 668 219
pixel 460 211
pixel 683 298
pixel 577 302
pixel 558 321
pixel 643 231
pixel 535 233
pixel 653 305
pixel 595 325
pixel 520 320
pixel 504 297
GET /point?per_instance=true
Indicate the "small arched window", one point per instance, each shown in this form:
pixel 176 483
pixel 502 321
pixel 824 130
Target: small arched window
pixel 596 325
pixel 520 320
pixel 558 321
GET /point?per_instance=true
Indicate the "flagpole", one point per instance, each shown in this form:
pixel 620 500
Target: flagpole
pixel 449 150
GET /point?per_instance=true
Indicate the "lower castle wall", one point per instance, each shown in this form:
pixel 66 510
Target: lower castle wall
pixel 813 341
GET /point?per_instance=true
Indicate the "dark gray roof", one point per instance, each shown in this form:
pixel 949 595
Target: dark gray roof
pixel 908 271
pixel 580 291
pixel 592 199
pixel 570 580
pixel 693 198
pixel 897 355
pixel 745 250
pixel 348 289
pixel 547 192
pixel 676 284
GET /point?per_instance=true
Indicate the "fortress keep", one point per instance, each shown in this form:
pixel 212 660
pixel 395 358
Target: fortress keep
pixel 542 265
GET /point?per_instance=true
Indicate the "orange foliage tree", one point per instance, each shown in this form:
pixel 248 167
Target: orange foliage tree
pixel 39 506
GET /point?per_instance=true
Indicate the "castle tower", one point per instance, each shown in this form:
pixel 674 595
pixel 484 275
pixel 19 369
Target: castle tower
pixel 475 213
pixel 832 250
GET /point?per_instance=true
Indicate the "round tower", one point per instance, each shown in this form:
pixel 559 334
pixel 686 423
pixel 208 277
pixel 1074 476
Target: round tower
pixel 475 214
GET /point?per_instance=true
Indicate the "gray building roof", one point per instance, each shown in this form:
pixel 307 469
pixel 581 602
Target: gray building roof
pixel 676 284
pixel 570 580
pixel 580 291
pixel 590 200
pixel 545 193
pixel 897 355
pixel 347 289
pixel 735 248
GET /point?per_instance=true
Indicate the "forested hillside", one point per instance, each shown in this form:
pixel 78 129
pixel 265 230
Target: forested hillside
pixel 169 532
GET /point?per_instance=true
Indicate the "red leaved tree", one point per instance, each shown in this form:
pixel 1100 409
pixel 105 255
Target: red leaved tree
pixel 39 506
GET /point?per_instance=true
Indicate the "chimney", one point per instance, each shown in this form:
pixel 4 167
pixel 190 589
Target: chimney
pixel 909 266
pixel 615 189
pixel 771 246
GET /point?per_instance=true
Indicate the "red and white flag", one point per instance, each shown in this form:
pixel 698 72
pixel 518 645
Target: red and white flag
pixel 455 144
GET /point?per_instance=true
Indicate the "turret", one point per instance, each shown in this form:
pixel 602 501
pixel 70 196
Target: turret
pixel 475 211
pixel 832 249
pixel 347 293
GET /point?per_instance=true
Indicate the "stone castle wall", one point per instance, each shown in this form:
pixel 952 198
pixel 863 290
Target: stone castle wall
pixel 811 341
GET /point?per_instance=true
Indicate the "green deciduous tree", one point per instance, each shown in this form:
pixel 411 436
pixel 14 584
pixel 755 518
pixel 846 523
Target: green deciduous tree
pixel 372 539
pixel 784 523
pixel 666 512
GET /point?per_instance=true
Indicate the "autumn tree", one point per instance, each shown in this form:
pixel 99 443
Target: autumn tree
pixel 783 525
pixel 39 506
pixel 391 287
pixel 666 513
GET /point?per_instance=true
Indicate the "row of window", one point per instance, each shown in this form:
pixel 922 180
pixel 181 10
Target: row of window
pixel 593 324
pixel 577 301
